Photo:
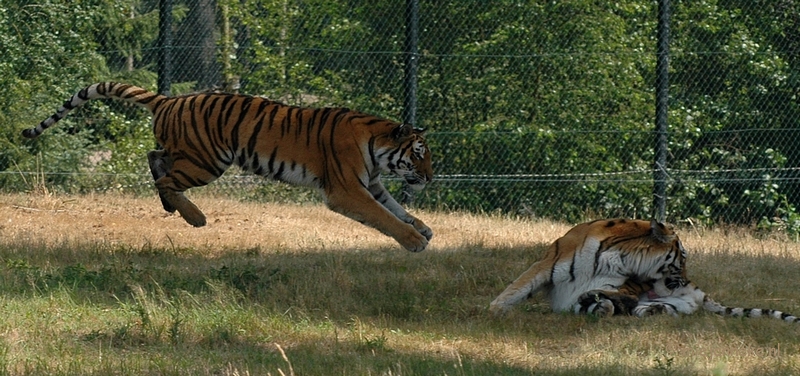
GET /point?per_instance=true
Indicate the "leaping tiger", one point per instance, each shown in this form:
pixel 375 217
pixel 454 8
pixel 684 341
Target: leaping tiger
pixel 618 267
pixel 338 151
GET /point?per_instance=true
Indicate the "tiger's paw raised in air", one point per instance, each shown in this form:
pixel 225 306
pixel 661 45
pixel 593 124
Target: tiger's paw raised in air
pixel 192 215
pixel 423 229
pixel 414 242
pixel 339 152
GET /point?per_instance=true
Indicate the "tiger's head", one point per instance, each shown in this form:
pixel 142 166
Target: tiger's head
pixel 673 265
pixel 408 156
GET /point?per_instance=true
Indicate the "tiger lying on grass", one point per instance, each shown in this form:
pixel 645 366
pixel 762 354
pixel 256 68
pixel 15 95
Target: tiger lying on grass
pixel 618 267
pixel 340 152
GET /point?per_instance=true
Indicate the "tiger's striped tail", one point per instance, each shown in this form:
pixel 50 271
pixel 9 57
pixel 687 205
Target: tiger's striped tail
pixel 128 93
pixel 711 305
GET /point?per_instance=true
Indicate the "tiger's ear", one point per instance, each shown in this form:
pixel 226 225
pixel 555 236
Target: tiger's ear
pixel 661 232
pixel 402 132
pixel 420 131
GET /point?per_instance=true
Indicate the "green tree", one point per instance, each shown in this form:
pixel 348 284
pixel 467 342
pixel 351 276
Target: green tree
pixel 551 88
pixel 44 59
pixel 734 85
pixel 125 29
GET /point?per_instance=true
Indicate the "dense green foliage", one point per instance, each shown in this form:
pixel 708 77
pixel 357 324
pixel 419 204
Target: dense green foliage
pixel 556 97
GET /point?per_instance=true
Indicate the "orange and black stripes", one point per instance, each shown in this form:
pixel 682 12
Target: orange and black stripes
pixel 601 255
pixel 202 135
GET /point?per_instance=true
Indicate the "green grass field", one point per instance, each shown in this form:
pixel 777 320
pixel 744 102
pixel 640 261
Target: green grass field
pixel 111 285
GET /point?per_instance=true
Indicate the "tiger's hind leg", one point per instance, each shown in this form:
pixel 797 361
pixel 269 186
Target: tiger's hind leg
pixel 537 277
pixel 160 163
pixel 171 187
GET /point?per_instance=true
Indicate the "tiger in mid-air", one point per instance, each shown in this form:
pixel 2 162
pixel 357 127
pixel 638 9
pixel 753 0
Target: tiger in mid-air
pixel 340 152
pixel 618 267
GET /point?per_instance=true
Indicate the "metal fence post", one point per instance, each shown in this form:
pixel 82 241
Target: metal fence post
pixel 164 47
pixel 411 66
pixel 662 105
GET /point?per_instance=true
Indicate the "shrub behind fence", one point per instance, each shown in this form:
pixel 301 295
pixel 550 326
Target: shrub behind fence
pixel 541 109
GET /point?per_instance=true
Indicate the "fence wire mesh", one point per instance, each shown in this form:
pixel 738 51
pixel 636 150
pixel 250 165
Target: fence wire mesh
pixel 540 108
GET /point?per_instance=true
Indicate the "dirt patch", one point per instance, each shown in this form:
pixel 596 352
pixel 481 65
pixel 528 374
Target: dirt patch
pixel 140 222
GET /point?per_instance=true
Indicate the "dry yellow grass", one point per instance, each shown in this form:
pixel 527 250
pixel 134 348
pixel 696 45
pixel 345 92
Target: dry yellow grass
pixel 138 222
pixel 472 257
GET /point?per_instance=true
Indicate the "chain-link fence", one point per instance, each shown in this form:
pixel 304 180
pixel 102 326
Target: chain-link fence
pixel 540 108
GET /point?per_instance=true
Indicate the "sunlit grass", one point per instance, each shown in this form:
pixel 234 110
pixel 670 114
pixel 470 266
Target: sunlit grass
pixel 112 285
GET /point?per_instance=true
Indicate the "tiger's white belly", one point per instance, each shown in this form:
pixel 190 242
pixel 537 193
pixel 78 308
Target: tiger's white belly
pixel 299 176
pixel 292 173
pixel 571 278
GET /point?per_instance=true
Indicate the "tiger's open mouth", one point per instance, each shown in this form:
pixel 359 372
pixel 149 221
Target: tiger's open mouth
pixel 652 294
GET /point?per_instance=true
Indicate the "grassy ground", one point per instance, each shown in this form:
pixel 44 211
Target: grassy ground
pixel 113 285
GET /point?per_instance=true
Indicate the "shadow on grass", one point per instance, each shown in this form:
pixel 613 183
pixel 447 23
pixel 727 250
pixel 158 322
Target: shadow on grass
pixel 431 295
pixel 438 286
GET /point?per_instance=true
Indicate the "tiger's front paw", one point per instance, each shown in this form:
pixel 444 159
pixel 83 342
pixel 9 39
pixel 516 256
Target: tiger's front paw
pixel 595 303
pixel 423 229
pixel 654 309
pixel 413 241
pixel 603 308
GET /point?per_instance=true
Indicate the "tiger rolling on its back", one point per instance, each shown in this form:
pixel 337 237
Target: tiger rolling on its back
pixel 618 266
pixel 339 152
